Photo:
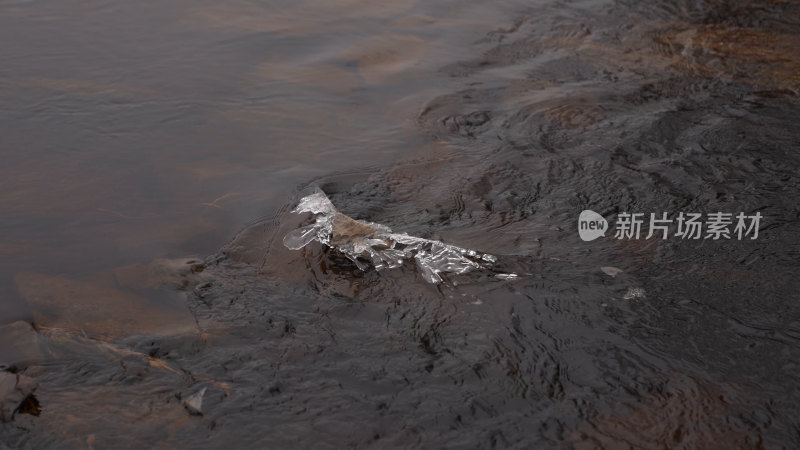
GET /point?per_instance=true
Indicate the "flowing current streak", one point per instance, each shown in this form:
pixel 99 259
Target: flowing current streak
pixel 361 241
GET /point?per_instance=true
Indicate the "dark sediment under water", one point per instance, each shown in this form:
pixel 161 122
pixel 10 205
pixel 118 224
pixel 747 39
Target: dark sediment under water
pixel 134 133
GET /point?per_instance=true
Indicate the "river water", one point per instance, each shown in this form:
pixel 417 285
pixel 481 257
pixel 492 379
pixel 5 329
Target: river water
pixel 152 153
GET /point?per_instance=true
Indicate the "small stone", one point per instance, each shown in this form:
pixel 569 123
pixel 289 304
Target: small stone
pixel 194 403
pixel 611 271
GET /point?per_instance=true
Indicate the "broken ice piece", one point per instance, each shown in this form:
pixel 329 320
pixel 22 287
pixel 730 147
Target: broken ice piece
pixel 506 276
pixel 194 403
pixel 363 241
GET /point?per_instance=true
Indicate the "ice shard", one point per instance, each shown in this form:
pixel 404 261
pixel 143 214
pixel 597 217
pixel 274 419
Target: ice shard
pixel 366 242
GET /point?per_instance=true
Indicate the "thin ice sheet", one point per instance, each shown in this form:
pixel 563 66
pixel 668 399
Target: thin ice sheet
pixel 367 243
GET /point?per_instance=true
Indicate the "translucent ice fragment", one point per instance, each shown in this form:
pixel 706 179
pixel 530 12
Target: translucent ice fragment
pixel 506 276
pixel 364 242
pixel 317 203
pixel 321 230
pixel 301 237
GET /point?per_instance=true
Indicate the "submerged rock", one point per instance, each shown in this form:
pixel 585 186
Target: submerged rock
pixel 14 391
pixel 99 312
pixel 19 346
pixel 160 274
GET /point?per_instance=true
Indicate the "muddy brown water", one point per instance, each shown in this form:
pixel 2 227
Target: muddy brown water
pixel 152 153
